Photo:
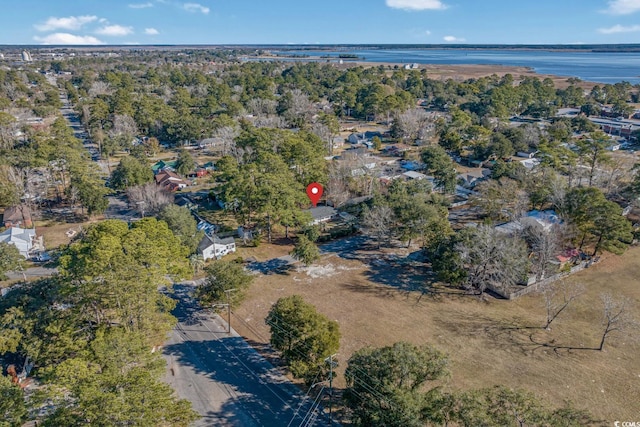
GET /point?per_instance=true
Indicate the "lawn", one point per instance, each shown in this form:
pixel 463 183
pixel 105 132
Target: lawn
pixel 488 341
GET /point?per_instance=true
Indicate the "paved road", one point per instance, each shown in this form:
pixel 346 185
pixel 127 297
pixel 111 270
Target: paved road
pixel 226 380
pixel 32 272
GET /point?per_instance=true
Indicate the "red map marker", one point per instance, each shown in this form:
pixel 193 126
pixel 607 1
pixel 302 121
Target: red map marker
pixel 314 191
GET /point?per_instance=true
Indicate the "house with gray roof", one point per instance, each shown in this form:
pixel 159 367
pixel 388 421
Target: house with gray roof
pixel 22 238
pixel 211 247
pixel 322 214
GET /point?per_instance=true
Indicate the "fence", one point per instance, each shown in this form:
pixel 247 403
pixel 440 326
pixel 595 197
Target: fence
pixel 513 292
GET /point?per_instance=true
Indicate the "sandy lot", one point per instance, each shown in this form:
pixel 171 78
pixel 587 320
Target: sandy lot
pixel 379 300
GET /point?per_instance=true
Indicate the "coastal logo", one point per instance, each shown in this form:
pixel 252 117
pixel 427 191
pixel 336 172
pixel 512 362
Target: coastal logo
pixel 626 423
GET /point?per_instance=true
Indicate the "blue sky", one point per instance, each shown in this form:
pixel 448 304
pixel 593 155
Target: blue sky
pixel 325 21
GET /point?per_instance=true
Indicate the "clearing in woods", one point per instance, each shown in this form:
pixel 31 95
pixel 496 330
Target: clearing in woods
pixel 375 301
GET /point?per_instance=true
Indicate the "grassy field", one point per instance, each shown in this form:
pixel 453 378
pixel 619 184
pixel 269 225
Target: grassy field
pixel 488 341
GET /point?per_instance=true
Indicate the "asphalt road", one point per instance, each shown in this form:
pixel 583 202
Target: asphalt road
pixel 33 272
pixel 225 379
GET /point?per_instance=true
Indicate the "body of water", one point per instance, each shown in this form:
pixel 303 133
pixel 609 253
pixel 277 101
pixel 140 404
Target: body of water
pixel 604 67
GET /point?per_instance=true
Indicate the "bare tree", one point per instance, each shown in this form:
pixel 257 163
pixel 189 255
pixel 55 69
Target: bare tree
pixel 125 126
pixel 502 199
pixel 617 317
pixel 227 134
pixel 558 189
pixel 531 134
pixel 378 222
pixel 148 198
pixel 492 258
pixel 275 122
pixel 324 133
pixel 412 123
pixel 338 184
pixel 545 245
pixel 99 88
pixel 558 296
pixel 262 107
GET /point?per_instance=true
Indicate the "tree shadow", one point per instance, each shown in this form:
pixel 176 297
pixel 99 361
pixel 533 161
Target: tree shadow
pixel 527 339
pixel 280 265
pixel 228 381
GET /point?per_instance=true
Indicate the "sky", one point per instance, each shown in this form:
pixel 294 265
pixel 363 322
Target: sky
pixel 34 22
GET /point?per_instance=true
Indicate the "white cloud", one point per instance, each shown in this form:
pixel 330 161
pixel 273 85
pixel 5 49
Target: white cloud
pixel 428 32
pixel 417 4
pixel 619 29
pixel 453 39
pixel 68 23
pixel 623 7
pixel 114 30
pixel 195 7
pixel 140 5
pixel 151 31
pixel 66 38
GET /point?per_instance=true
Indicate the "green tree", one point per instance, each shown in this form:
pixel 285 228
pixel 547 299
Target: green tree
pixel 13 410
pixel 185 163
pixel 377 143
pixel 130 172
pixel 442 167
pixel 598 220
pixel 304 336
pixel 183 225
pixel 593 151
pixel 115 269
pixel 10 259
pixel 390 386
pixel 500 406
pixel 9 190
pixel 116 383
pixel 305 250
pixel 223 276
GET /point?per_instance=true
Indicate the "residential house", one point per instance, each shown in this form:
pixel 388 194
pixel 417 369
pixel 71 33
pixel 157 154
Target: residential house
pixel 164 166
pixel 211 247
pixel 411 175
pixel 322 214
pixel 207 227
pixel 17 216
pixel 199 172
pixel 529 154
pixel 209 166
pixel 170 181
pixel 530 163
pixel 356 138
pixel 471 178
pixel 410 165
pixel 544 219
pixel 362 137
pixel 22 238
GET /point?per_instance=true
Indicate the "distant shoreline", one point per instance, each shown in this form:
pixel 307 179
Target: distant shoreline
pixel 595 48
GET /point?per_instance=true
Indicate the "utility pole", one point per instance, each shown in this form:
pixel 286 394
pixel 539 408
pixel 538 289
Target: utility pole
pixel 332 364
pixel 228 292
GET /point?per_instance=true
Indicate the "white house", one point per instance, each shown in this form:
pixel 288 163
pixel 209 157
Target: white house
pixel 214 247
pixel 21 238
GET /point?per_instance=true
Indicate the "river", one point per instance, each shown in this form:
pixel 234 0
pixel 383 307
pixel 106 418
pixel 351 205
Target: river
pixel 603 67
